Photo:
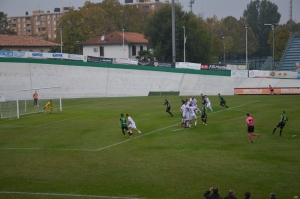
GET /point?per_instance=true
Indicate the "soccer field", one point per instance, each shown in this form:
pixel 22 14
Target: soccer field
pixel 82 153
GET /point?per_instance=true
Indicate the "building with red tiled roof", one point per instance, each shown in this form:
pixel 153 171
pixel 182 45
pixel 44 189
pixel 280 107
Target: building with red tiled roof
pixel 114 45
pixel 25 43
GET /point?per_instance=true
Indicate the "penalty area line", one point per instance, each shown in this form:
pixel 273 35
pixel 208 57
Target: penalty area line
pixel 67 195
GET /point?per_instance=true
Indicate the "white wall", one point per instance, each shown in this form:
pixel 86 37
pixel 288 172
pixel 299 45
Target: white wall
pixel 112 51
pixel 77 81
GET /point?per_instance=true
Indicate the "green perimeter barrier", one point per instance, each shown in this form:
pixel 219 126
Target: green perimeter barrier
pixel 120 66
pixel 155 93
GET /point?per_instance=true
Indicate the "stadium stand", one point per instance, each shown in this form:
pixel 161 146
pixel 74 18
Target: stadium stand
pixel 291 53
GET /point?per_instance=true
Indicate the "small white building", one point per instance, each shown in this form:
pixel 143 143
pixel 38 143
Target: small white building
pixel 25 43
pixel 115 45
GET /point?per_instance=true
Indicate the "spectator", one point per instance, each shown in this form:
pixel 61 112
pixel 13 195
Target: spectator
pixel 247 195
pixel 214 195
pixel 272 196
pixel 230 195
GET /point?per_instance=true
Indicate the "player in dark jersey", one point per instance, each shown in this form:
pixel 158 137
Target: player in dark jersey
pixel 203 113
pixel 281 124
pixel 124 126
pixel 168 110
pixel 222 101
pixel 182 101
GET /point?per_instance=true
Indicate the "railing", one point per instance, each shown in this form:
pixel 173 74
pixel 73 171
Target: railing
pixel 286 49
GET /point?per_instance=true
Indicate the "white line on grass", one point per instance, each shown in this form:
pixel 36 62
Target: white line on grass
pixel 67 195
pixel 109 146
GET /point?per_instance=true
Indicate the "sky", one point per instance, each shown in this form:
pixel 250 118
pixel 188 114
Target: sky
pixel 207 8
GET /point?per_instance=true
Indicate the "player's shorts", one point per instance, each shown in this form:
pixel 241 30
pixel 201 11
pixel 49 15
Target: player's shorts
pixel 250 129
pixel 187 116
pixel 193 117
pixel 132 125
pixel 223 102
pixel 204 116
pixel 168 109
pixel 281 125
pixel 124 127
pixel 272 90
pixel 208 104
pixel 183 114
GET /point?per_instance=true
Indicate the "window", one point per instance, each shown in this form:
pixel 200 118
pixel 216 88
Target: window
pixel 54 22
pixel 49 35
pixel 18 25
pixel 54 29
pixel 133 50
pixel 48 22
pixel 141 48
pixel 101 51
pixel 54 35
pixel 37 17
pixel 38 29
pixel 43 29
pixel 43 22
pixel 37 23
pixel 48 16
pixel 28 30
pixel 23 19
pixel 24 25
pixel 43 17
pixel 48 29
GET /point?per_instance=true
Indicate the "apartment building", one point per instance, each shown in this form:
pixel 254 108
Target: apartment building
pixel 39 24
pixel 147 6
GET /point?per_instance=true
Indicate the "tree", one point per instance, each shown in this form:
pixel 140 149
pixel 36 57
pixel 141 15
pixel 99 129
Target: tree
pixel 159 33
pixel 258 13
pixel 145 55
pixel 92 20
pixel 281 36
pixel 4 25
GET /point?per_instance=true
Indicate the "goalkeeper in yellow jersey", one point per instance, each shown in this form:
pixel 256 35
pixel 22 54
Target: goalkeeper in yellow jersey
pixel 48 106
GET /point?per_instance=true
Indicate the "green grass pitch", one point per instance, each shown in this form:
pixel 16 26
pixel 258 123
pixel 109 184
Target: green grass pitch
pixel 82 153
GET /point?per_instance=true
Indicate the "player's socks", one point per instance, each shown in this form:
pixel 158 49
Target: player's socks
pixel 140 132
pixel 280 133
pixel 195 123
pixel 123 132
pixel 250 137
pixel 274 130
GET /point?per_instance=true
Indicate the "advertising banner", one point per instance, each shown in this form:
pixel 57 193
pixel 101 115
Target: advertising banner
pixel 99 59
pixel 19 54
pixel 239 73
pixel 259 73
pixel 74 57
pixel 156 64
pixel 45 55
pixel 298 75
pixel 283 74
pixel 204 66
pixel 125 61
pixel 217 67
pixel 187 65
pixel 266 91
pixel 236 67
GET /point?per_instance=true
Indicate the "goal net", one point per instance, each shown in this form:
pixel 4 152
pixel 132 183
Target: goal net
pixel 25 103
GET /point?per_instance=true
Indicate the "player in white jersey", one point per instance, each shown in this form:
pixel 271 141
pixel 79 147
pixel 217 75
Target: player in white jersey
pixel 192 115
pixel 183 112
pixel 194 101
pixel 208 104
pixel 131 124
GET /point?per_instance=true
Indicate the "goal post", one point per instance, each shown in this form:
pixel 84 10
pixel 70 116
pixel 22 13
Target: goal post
pixel 25 104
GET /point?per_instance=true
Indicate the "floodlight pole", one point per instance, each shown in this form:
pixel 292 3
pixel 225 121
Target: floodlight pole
pixel 273 27
pixel 224 48
pixel 123 41
pixel 246 27
pixel 184 40
pixel 60 29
